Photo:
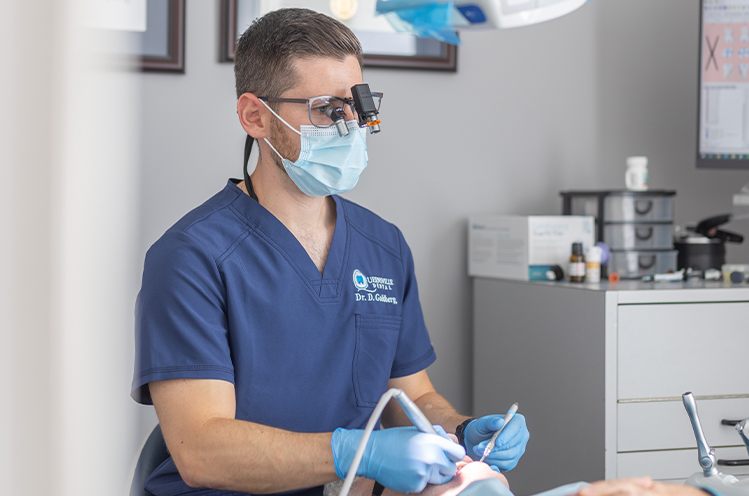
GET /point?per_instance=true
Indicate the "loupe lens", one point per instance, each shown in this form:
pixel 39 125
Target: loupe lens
pixel 320 111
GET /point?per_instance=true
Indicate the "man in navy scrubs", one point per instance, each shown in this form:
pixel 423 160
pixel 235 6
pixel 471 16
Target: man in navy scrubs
pixel 273 316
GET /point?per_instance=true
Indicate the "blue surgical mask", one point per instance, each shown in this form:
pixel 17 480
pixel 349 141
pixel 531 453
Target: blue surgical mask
pixel 328 164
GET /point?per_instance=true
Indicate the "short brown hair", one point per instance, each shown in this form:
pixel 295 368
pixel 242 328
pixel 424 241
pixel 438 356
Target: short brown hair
pixel 265 53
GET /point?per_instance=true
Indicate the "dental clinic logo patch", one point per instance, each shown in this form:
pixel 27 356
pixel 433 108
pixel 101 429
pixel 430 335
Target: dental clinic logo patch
pixel 371 288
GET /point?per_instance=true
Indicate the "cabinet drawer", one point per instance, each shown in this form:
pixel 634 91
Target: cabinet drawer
pixel 673 465
pixel 666 350
pixel 665 425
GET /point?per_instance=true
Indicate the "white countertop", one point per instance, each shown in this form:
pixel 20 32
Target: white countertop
pixel 654 292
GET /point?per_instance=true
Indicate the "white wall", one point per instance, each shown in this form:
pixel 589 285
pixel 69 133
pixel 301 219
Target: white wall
pixel 25 293
pixel 530 112
pixel 67 264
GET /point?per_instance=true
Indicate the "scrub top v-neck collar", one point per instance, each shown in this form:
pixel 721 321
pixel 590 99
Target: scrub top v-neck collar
pixel 326 284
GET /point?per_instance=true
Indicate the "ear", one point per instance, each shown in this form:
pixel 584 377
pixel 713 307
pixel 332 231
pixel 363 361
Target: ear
pixel 253 116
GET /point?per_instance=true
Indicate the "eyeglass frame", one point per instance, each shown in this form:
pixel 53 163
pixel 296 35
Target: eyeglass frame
pixel 345 101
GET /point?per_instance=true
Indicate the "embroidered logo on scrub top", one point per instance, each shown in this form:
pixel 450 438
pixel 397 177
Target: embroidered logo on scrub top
pixel 370 287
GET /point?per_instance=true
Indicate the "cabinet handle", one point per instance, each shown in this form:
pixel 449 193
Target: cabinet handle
pixel 643 207
pixel 733 463
pixel 731 423
pixel 643 264
pixel 644 233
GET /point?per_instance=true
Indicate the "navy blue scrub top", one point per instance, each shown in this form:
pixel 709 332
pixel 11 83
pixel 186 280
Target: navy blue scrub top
pixel 229 293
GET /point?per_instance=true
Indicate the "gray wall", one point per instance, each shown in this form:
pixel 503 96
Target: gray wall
pixel 530 112
pixel 647 104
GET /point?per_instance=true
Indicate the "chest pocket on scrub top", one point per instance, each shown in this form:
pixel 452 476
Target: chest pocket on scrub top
pixel 374 352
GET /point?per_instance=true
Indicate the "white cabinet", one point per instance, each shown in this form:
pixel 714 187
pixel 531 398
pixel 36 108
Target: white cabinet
pixel 659 425
pixel 706 346
pixel 599 371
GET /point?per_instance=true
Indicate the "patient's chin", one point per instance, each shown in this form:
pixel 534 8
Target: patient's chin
pixel 469 471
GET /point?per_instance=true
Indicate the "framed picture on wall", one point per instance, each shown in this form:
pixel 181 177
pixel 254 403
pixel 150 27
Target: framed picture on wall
pixel 161 46
pixel 382 45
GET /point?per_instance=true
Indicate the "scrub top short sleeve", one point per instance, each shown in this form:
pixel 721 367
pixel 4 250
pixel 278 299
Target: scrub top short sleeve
pixel 181 327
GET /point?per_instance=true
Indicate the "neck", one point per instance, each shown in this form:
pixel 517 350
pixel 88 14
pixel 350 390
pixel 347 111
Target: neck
pixel 280 196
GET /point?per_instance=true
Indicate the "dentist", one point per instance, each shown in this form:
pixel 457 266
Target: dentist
pixel 273 316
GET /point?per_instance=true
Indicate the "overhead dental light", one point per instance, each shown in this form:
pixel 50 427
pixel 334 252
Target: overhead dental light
pixel 518 13
pixel 441 19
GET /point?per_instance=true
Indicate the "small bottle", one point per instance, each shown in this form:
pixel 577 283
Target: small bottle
pixel 593 264
pixel 577 263
pixel 636 177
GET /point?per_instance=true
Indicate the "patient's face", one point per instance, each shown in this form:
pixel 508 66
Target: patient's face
pixel 468 472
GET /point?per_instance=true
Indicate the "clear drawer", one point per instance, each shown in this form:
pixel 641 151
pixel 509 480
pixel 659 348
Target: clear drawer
pixel 620 206
pixel 635 264
pixel 638 236
pixel 640 208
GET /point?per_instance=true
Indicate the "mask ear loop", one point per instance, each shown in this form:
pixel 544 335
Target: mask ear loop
pixel 280 119
pixel 267 141
pixel 249 141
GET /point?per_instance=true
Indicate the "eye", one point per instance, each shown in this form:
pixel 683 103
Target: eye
pixel 323 108
pixel 331 111
pixel 324 112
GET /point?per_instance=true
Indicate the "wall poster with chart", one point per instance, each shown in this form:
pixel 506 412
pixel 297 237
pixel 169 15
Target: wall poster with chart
pixel 723 141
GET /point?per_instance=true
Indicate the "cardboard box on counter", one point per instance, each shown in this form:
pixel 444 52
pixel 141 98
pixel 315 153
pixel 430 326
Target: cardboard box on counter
pixel 523 247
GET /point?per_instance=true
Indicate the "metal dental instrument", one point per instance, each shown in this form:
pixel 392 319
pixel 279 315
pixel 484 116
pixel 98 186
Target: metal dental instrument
pixel 705 454
pixel 508 416
pixel 743 428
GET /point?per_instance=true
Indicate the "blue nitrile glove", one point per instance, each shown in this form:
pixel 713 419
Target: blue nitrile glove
pixel 510 444
pixel 402 459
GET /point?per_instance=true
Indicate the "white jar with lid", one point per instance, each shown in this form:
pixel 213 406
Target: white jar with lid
pixel 636 177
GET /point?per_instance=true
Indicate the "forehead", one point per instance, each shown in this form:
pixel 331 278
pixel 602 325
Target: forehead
pixel 325 76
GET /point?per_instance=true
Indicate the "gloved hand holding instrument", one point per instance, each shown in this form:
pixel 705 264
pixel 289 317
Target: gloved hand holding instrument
pixel 403 458
pixel 509 444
